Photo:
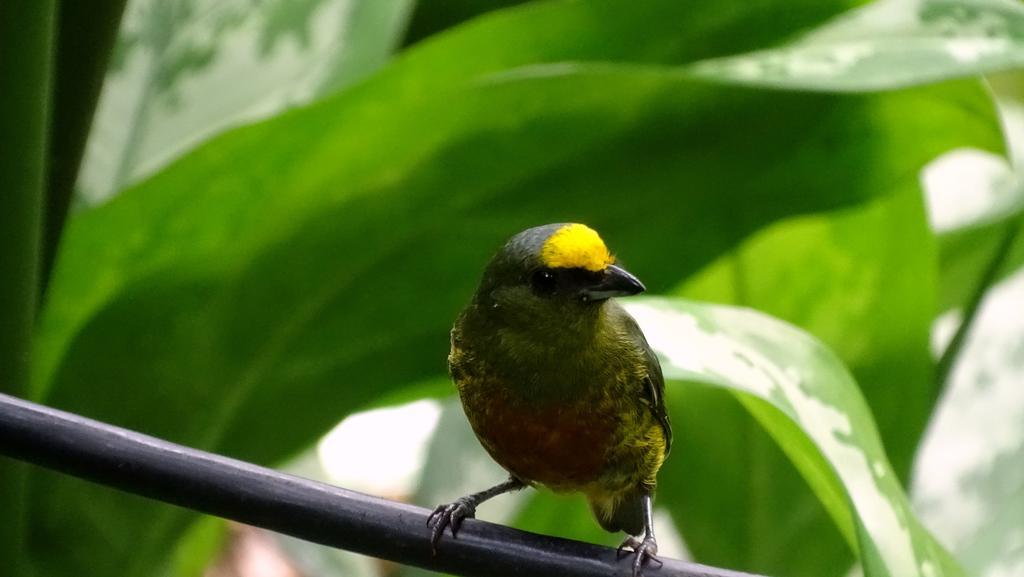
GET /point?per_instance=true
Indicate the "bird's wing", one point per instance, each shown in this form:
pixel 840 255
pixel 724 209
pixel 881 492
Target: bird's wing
pixel 654 381
pixel 654 388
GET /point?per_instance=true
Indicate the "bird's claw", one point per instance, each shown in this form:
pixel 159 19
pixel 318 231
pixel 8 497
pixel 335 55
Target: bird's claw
pixel 644 550
pixel 451 516
pixel 629 544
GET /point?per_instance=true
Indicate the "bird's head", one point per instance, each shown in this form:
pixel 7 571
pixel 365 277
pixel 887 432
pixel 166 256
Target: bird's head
pixel 555 272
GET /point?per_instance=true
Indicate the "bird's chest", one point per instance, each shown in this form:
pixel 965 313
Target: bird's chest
pixel 562 444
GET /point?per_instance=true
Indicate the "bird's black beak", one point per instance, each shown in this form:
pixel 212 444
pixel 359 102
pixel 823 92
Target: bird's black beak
pixel 615 282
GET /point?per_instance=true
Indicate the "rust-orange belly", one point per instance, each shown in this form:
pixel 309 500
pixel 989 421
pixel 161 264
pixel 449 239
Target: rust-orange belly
pixel 563 447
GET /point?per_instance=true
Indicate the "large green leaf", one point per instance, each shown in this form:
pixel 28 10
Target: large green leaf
pixel 247 296
pixel 292 289
pixel 975 200
pixel 189 68
pixel 186 69
pixel 889 44
pixel 804 397
pixel 861 280
pixel 967 253
pixel 968 481
pixel 605 30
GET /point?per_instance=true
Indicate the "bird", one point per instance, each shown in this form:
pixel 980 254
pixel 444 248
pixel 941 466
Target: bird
pixel 559 383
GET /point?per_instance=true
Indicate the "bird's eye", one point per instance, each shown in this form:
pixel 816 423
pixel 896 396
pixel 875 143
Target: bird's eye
pixel 544 282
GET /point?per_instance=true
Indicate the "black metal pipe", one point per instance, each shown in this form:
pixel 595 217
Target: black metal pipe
pixel 295 506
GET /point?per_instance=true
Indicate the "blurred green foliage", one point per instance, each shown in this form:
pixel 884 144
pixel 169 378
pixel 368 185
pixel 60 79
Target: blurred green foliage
pixel 284 205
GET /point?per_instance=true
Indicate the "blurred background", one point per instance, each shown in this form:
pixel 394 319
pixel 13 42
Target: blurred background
pixel 280 206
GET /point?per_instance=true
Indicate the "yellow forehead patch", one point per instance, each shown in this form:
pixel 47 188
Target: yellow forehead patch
pixel 576 246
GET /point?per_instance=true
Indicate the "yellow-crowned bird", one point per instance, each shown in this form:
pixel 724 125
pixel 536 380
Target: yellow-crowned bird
pixel 559 383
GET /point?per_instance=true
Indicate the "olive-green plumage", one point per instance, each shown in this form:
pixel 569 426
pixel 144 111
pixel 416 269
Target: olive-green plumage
pixel 557 379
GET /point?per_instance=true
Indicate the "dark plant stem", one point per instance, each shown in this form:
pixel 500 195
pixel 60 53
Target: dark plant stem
pixel 85 41
pixel 294 506
pixel 947 361
pixel 26 64
pixel 26 55
pixel 25 58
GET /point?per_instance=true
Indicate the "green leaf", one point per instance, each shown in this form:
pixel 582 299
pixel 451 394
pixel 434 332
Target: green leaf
pixel 805 398
pixel 85 41
pixel 833 132
pixel 290 289
pixel 976 200
pixel 968 482
pixel 565 31
pixel 736 497
pixel 187 69
pixel 966 253
pixel 197 547
pixel 287 273
pixel 432 16
pixel 662 31
pixel 862 280
pixel 889 44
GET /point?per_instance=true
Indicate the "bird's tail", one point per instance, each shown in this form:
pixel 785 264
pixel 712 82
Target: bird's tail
pixel 619 511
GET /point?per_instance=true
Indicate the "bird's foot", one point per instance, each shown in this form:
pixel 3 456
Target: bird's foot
pixel 643 550
pixel 451 516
